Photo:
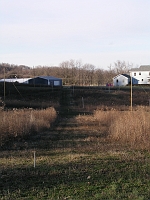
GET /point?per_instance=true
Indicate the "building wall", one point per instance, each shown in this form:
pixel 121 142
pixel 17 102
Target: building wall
pixel 143 77
pixel 43 81
pixel 38 81
pixel 120 80
pixel 55 82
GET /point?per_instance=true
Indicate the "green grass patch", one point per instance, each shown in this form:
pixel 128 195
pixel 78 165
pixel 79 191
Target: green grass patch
pixel 68 175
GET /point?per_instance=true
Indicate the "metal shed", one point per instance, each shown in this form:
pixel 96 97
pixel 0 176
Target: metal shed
pixel 46 80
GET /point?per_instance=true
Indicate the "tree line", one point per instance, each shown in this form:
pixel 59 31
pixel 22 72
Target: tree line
pixel 72 72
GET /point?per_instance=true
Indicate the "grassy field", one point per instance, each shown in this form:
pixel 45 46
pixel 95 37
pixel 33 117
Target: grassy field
pixel 97 149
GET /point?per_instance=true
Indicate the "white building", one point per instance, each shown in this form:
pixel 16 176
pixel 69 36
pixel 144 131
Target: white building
pixel 18 80
pixel 121 80
pixel 141 74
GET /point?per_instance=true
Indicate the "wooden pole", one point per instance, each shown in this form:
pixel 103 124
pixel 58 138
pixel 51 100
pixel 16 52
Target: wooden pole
pixel 82 102
pixel 34 159
pixel 131 91
pixel 4 87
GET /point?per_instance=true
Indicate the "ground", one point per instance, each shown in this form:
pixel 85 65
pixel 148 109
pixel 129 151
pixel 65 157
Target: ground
pixel 74 160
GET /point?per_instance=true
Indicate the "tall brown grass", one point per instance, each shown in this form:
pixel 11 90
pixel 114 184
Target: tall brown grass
pixel 126 127
pixel 131 127
pixel 22 122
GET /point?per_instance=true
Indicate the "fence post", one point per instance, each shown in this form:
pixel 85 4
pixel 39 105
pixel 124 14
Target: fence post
pixel 82 102
pixel 34 162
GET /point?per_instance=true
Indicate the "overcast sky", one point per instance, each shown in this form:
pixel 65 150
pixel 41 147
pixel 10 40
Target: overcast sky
pixel 99 32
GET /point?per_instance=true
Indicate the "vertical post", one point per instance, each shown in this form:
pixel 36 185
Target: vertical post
pixel 4 86
pixel 109 87
pixel 79 75
pixel 73 89
pixel 33 76
pixel 131 91
pixel 34 159
pixel 82 102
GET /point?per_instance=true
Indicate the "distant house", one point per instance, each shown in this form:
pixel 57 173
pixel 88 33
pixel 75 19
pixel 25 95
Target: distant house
pixel 142 74
pixel 139 75
pixel 18 80
pixel 121 80
pixel 46 80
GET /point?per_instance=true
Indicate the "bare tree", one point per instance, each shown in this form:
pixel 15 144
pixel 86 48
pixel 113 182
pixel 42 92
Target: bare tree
pixel 72 72
pixel 99 77
pixel 78 68
pixel 122 67
pixel 65 72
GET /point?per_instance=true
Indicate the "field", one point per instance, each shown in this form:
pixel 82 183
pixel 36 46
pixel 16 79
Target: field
pixel 93 146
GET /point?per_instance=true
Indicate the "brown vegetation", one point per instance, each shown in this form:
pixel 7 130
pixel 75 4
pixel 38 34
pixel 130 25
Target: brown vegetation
pixel 106 112
pixel 23 122
pixel 124 127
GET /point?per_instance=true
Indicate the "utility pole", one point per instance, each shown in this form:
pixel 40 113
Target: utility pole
pixel 4 86
pixel 131 90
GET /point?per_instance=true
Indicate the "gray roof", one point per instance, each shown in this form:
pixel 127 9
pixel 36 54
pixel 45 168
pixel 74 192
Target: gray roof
pixel 145 67
pixel 49 77
pixel 142 68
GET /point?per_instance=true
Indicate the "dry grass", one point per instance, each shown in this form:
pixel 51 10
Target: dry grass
pixel 23 122
pixel 125 127
pixel 132 128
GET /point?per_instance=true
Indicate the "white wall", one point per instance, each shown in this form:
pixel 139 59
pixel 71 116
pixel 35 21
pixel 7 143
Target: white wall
pixel 142 76
pixel 120 80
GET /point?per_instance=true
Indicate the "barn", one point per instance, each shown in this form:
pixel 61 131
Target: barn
pixel 46 81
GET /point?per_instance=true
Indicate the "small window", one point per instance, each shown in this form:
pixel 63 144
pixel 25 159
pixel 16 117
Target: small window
pixel 134 74
pixel 139 73
pixel 142 79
